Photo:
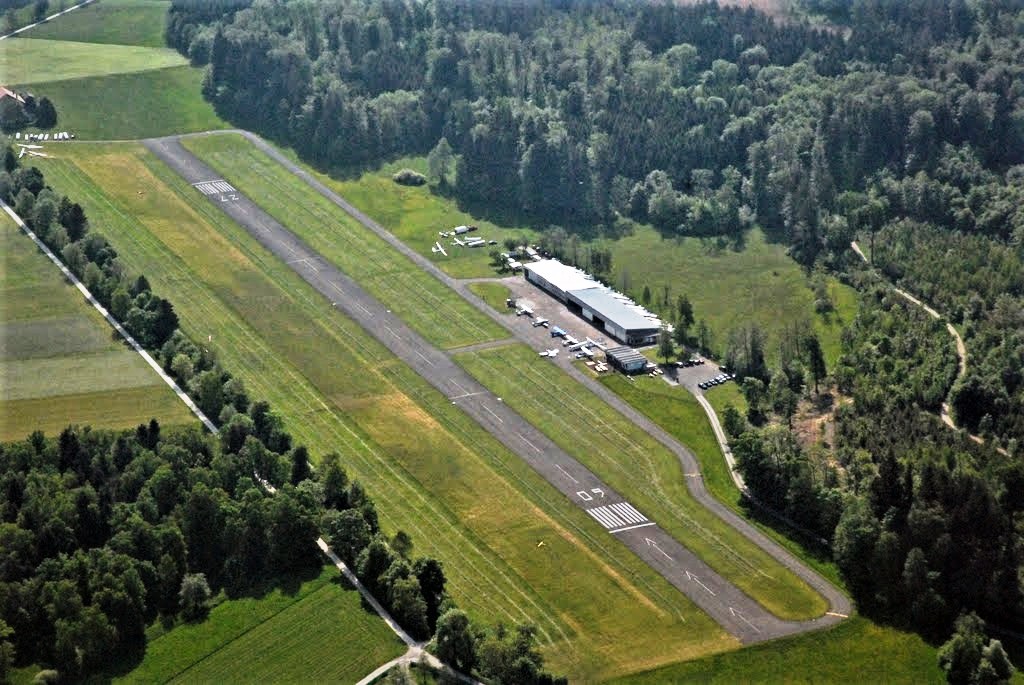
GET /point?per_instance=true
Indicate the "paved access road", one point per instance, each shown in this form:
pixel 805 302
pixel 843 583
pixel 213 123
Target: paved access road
pixel 739 614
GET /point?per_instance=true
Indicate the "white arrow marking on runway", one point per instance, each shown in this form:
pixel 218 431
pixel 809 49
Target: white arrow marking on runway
pixel 744 619
pixel 654 544
pixel 567 474
pixel 697 580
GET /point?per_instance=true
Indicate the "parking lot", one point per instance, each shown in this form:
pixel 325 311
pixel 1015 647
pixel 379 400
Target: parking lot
pixel 693 376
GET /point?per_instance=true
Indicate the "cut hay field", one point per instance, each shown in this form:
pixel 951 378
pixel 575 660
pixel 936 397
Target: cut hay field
pixel 118 22
pixel 28 61
pixel 428 306
pixel 640 468
pixel 433 472
pixel 317 633
pixel 59 360
pixel 130 106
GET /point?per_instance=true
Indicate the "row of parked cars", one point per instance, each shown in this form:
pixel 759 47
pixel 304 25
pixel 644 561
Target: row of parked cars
pixel 717 380
pixel 692 361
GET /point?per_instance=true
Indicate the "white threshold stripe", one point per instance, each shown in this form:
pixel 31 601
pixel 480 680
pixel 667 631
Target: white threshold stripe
pixel 639 525
pixel 111 320
pixel 626 511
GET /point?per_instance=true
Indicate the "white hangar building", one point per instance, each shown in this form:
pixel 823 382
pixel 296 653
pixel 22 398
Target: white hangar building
pixel 605 309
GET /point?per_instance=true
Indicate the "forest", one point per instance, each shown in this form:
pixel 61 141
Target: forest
pixel 896 123
pixel 102 533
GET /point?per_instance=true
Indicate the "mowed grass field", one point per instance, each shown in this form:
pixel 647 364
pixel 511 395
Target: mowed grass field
pixel 855 651
pixel 59 360
pixel 130 106
pixel 427 305
pixel 679 413
pixel 319 633
pixel 31 61
pixel 639 468
pixel 432 471
pixel 117 22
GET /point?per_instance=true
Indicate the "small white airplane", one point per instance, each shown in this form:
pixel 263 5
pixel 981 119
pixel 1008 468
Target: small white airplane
pixel 22 153
pixel 30 147
pixel 456 241
pixel 441 249
pixel 539 321
pixel 549 353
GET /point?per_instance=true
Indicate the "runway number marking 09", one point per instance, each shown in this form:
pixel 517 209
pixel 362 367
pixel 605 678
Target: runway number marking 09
pixel 619 516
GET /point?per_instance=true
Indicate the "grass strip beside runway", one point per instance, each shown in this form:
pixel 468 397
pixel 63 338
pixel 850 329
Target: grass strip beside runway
pixel 423 302
pixel 640 468
pixel 432 470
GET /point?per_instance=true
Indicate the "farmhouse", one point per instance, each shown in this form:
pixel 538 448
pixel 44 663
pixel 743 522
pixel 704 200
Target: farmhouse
pixel 605 309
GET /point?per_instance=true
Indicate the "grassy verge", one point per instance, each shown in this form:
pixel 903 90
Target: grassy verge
pixel 641 469
pixel 493 294
pixel 721 396
pixel 679 413
pixel 129 106
pixel 38 61
pixel 426 304
pixel 319 632
pixel 433 472
pixel 856 651
pixel 119 22
pixel 60 362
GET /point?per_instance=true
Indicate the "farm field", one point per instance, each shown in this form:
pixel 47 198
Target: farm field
pixel 432 471
pixel 855 651
pixel 120 22
pixel 129 106
pixel 33 61
pixel 59 360
pixel 639 467
pixel 317 633
pixel 427 305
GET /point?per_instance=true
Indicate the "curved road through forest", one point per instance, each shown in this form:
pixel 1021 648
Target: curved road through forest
pixel 735 611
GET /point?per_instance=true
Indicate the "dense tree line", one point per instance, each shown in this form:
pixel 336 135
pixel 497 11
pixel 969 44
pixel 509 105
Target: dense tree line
pixel 924 522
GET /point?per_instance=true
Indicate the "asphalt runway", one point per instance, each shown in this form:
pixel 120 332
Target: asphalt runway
pixel 735 611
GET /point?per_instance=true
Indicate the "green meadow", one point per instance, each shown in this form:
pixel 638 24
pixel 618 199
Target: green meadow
pixel 32 61
pixel 319 632
pixel 60 361
pixel 427 305
pixel 432 471
pixel 129 106
pixel 116 22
